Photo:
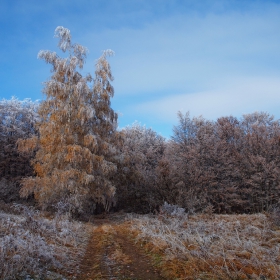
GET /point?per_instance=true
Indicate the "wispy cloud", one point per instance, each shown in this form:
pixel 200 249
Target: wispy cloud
pixel 240 96
pixel 193 52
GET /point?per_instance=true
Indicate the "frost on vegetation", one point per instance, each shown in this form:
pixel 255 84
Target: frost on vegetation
pixel 172 210
pixel 18 117
pixel 33 245
pixel 17 120
pixel 78 128
pixel 225 246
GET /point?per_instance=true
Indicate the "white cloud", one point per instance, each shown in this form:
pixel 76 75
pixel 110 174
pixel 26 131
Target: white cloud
pixel 192 52
pixel 241 96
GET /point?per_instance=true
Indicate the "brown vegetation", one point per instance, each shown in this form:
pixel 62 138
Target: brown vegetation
pixel 170 245
pixel 212 247
pixel 76 131
pixel 231 164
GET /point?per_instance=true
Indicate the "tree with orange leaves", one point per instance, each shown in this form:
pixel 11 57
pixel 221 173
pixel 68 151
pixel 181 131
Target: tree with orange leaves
pixel 77 131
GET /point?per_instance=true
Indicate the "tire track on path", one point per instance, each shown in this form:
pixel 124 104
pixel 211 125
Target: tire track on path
pixel 112 254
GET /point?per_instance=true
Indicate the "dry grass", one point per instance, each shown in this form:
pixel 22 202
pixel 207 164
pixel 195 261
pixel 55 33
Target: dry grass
pixel 204 246
pixel 212 246
pixel 31 244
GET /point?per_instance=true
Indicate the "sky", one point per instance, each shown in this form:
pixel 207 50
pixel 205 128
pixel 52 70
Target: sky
pixel 211 58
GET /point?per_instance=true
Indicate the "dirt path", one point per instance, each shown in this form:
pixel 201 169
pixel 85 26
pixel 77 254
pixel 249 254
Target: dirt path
pixel 112 254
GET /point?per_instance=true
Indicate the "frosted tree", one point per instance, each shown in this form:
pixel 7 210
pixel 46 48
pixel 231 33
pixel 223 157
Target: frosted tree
pixel 77 131
pixel 141 150
pixel 260 165
pixel 17 120
pixel 231 164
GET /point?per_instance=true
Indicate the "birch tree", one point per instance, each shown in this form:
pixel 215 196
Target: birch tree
pixel 77 131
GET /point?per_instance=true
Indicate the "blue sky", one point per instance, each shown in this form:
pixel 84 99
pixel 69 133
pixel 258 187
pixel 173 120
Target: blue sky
pixel 212 58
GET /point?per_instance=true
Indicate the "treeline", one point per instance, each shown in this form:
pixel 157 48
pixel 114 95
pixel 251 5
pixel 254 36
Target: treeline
pixel 232 165
pixel 67 151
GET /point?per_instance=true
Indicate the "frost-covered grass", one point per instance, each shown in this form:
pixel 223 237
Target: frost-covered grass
pixel 31 244
pixel 212 246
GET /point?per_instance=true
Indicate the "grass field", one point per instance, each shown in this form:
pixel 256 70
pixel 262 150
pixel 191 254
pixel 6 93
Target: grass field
pixel 212 246
pixel 180 246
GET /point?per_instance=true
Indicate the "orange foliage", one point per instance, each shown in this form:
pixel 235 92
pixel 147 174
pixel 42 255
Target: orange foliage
pixel 77 128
